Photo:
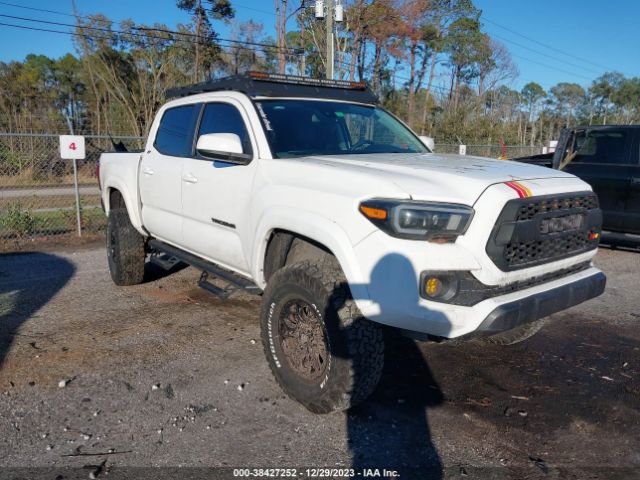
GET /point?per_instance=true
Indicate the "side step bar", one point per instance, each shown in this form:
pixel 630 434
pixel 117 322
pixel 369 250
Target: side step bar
pixel 234 282
pixel 163 260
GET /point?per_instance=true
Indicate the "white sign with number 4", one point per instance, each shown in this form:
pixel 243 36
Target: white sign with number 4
pixel 72 147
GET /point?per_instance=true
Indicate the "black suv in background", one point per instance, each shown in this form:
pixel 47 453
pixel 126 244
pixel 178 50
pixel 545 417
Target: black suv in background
pixel 608 158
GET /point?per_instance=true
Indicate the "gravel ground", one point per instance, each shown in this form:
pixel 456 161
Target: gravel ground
pixel 166 375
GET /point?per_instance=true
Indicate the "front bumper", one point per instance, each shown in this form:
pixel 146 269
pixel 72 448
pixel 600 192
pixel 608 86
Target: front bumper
pixel 398 307
pixel 513 314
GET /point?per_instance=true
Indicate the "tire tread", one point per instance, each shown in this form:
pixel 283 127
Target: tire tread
pixel 365 341
pixel 128 267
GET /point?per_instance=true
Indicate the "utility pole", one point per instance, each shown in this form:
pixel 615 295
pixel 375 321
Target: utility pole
pixel 330 42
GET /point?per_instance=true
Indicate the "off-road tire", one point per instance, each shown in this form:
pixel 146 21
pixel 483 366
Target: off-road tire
pixel 516 335
pixel 354 354
pixel 125 249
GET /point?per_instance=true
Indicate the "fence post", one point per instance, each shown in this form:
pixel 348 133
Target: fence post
pixel 76 187
pixel 77 191
pixel 72 148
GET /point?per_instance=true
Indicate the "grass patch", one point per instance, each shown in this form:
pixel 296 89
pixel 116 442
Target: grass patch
pixel 18 222
pixel 28 177
pixel 35 202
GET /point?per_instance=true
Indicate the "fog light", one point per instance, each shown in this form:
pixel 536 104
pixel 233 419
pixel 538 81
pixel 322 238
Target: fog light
pixel 438 286
pixel 433 286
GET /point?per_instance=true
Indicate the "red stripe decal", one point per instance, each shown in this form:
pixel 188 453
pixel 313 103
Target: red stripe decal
pixel 521 192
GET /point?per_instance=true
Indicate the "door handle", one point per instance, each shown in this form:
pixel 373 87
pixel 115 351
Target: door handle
pixel 148 171
pixel 189 178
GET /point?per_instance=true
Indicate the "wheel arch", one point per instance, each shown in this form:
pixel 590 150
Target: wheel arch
pixel 285 247
pixel 116 199
pixel 277 235
pixel 116 195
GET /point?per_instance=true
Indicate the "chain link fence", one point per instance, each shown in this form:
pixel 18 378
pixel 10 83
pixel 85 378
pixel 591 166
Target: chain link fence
pixel 37 189
pixel 491 151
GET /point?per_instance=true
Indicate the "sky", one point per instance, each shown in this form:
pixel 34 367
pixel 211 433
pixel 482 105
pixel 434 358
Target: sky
pixel 550 41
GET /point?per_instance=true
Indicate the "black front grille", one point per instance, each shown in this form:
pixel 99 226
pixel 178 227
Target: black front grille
pixel 533 231
pixel 529 209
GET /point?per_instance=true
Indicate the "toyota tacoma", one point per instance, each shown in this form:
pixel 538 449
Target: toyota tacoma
pixel 310 194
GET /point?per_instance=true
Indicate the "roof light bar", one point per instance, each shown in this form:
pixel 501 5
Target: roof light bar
pixel 262 84
pixel 298 80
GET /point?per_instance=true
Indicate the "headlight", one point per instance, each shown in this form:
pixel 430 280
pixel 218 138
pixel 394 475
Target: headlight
pixel 418 220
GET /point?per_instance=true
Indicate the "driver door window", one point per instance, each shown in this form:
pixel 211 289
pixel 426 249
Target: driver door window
pixel 225 118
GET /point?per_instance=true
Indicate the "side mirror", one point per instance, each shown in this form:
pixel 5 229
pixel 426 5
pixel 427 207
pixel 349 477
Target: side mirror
pixel 222 146
pixel 429 142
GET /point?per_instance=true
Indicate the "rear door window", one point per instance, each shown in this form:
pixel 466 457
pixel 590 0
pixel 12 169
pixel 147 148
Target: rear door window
pixel 609 146
pixel 175 133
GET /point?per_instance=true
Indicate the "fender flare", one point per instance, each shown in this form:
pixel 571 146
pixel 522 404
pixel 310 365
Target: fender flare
pixel 129 201
pixel 315 227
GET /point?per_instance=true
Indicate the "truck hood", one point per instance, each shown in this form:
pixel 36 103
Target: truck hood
pixel 443 177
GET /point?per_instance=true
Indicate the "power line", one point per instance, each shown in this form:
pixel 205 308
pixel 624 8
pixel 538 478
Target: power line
pixel 255 10
pixel 545 54
pixel 109 30
pixel 57 12
pixel 35 9
pixel 101 37
pixel 555 49
pixel 552 67
pixel 189 34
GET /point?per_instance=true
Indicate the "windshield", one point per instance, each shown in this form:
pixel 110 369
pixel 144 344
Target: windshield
pixel 297 128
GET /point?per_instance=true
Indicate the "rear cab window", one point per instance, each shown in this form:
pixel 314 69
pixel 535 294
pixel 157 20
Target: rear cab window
pixel 607 146
pixel 176 130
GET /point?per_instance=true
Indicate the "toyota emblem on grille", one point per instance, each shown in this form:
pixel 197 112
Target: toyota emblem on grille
pixel 565 223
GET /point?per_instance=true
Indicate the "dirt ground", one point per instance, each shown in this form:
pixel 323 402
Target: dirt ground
pixel 97 380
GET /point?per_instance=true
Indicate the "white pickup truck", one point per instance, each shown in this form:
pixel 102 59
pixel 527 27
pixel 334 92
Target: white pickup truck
pixel 332 209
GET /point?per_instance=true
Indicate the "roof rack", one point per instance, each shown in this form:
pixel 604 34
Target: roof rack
pixel 261 84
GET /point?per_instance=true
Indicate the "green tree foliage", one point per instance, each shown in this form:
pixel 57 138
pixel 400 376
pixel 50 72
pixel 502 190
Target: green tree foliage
pixel 248 55
pixel 205 47
pixel 430 61
pixel 128 70
pixel 568 97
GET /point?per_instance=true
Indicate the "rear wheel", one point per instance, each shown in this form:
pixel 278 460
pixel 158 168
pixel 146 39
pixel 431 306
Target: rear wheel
pixel 322 352
pixel 125 249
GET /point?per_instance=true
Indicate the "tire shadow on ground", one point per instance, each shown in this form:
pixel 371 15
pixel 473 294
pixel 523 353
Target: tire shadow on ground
pixel 390 430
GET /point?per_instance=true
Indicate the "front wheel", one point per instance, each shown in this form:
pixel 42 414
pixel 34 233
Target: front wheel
pixel 516 335
pixel 321 351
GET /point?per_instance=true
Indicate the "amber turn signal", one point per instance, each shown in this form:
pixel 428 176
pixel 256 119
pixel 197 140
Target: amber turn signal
pixel 374 213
